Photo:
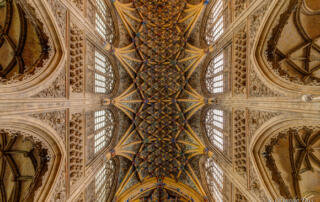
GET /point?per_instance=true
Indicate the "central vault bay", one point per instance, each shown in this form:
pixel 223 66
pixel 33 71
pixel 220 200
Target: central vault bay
pixel 160 102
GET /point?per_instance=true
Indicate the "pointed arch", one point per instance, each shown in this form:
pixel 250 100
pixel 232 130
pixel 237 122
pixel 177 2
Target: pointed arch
pixel 51 60
pixel 50 140
pixel 275 145
pixel 281 65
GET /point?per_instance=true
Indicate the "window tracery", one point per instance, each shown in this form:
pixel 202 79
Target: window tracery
pixel 103 129
pixel 215 23
pixel 214 75
pixel 214 126
pixel 104 76
pixel 103 21
pixel 104 181
pixel 214 178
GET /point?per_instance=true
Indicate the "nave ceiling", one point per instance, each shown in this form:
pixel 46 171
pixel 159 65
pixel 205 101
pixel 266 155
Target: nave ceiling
pixel 164 100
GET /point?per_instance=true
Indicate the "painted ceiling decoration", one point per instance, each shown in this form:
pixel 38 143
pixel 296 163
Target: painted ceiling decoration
pixel 159 100
pixel 160 143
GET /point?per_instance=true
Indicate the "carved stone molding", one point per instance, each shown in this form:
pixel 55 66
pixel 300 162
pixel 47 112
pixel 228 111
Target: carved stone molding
pixel 240 142
pixel 90 192
pixel 257 118
pixel 239 197
pixel 57 89
pixel 258 88
pixel 80 198
pixel 76 154
pixel 56 119
pixel 256 18
pixel 78 3
pixel 76 59
pixel 35 131
pixel 255 184
pixel 240 62
pixel 22 59
pixel 91 14
pixel 60 13
pixel 60 192
pixel 238 7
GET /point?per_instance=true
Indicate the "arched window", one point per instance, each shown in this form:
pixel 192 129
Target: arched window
pixel 214 75
pixel 214 178
pixel 214 28
pixel 103 129
pixel 104 23
pixel 104 181
pixel 104 76
pixel 214 126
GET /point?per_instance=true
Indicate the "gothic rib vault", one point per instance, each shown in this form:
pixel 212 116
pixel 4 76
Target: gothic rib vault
pixel 159 100
pixel 160 142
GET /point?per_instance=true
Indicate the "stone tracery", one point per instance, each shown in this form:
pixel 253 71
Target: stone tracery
pixel 215 179
pixel 160 144
pixel 215 22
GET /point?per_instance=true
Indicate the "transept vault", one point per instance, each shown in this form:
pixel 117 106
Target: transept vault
pixel 159 100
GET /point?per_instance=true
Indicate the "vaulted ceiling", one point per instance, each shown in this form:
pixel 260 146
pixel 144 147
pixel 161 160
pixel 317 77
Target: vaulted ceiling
pixel 160 101
pixel 125 100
